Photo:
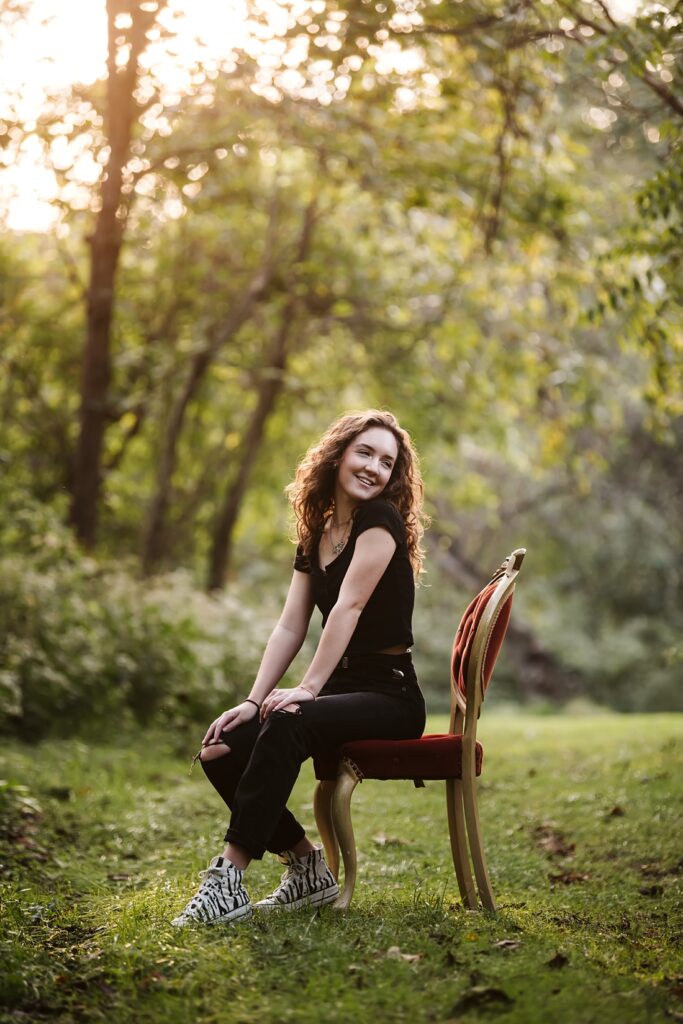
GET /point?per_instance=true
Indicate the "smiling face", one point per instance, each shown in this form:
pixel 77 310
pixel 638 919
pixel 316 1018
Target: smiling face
pixel 365 467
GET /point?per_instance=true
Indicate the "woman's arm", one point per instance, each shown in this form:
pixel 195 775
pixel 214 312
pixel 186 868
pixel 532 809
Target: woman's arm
pixel 283 645
pixel 287 637
pixel 373 552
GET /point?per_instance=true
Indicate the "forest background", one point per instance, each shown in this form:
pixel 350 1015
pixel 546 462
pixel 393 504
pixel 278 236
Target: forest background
pixel 469 213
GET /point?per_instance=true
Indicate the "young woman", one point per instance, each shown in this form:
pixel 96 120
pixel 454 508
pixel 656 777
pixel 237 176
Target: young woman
pixel 357 497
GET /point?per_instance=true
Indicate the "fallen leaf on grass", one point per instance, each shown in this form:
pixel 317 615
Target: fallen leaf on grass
pixel 394 953
pixel 651 890
pixel 154 978
pixel 559 960
pixel 568 877
pixel 381 840
pixel 480 996
pixel 552 840
pixel 507 944
pixel 655 870
pixel 616 812
pixel 121 877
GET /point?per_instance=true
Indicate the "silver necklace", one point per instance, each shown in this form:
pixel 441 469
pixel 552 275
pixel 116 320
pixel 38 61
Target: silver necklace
pixel 339 546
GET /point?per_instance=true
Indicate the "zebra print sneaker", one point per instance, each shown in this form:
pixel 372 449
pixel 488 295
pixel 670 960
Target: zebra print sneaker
pixel 221 896
pixel 307 882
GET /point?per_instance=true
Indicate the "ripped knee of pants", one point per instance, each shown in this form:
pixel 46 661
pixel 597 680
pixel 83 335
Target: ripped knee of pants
pixel 213 751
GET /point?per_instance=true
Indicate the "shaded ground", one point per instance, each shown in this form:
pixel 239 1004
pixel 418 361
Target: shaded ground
pixel 583 822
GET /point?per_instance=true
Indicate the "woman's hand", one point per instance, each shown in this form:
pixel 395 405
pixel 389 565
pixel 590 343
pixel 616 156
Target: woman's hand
pixel 279 699
pixel 231 718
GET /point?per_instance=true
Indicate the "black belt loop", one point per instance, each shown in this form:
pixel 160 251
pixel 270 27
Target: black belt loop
pixel 345 662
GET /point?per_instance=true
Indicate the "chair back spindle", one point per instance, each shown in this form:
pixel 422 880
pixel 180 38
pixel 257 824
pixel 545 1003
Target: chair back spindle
pixel 477 643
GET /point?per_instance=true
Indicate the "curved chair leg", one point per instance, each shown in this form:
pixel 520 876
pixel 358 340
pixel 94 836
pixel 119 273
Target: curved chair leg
pixel 456 830
pixel 322 808
pixel 469 783
pixel 347 780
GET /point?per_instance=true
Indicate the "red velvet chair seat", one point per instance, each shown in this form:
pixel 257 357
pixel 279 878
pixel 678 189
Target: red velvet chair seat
pixel 430 757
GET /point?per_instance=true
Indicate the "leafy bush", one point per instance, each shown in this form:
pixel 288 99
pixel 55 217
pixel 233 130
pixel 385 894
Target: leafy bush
pixel 84 645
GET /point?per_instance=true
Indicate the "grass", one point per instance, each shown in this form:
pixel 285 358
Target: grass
pixel 582 821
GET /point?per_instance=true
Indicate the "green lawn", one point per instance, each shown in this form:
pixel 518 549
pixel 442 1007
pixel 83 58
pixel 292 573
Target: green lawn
pixel 582 820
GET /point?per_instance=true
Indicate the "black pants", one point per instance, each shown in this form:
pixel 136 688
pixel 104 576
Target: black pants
pixel 374 696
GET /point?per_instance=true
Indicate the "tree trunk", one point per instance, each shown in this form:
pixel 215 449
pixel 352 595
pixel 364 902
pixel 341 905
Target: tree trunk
pixel 105 248
pixel 269 391
pixel 154 537
pixel 270 388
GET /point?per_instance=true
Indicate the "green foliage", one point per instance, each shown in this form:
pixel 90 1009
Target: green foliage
pixel 647 294
pixel 495 256
pixel 87 647
pixel 96 864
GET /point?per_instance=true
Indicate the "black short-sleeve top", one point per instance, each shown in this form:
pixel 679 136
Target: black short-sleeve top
pixel 386 619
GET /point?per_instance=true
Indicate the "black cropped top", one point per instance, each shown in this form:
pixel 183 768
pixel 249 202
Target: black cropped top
pixel 386 619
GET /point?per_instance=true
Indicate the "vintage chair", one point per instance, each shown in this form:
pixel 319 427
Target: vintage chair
pixel 455 757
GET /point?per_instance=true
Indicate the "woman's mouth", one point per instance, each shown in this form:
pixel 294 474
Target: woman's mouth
pixel 365 482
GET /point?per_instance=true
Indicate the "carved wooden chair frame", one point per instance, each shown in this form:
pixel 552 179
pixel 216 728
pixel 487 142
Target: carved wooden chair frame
pixel 332 799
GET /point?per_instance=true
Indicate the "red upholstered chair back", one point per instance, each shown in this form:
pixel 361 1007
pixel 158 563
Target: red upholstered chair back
pixel 479 638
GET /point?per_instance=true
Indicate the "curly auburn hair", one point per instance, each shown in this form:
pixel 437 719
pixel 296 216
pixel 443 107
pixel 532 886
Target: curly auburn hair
pixel 311 493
